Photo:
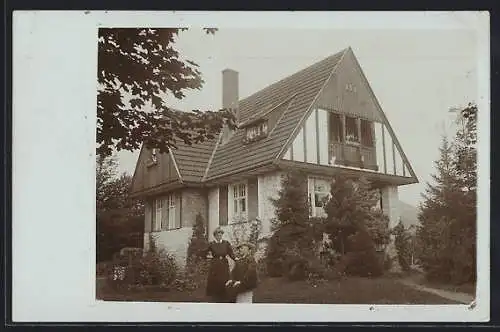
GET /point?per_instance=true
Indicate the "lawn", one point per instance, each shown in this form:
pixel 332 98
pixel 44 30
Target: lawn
pixel 277 290
pixel 419 278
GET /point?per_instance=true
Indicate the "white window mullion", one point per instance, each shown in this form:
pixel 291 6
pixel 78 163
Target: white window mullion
pixel 171 211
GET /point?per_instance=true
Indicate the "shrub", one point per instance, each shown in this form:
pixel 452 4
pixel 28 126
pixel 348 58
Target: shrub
pixel 156 267
pixel 402 243
pixel 362 258
pixel 199 241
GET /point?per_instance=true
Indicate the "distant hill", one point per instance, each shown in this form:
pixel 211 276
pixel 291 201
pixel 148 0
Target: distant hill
pixel 409 214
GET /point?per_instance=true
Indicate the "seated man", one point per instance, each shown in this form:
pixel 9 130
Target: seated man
pixel 243 276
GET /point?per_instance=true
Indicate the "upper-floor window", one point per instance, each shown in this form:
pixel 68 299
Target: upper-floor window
pixel 256 131
pixel 367 138
pixel 350 87
pixel 153 159
pixel 336 130
pixel 351 127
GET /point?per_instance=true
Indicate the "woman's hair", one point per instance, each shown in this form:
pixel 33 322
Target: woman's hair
pixel 218 230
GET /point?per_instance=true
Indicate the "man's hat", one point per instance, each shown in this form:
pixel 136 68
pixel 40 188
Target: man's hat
pixel 246 244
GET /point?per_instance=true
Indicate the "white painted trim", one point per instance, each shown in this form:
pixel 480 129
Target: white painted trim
pixel 230 200
pixel 175 165
pixel 384 117
pixel 212 155
pixel 295 131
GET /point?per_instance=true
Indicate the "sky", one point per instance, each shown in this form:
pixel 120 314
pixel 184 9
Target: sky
pixel 416 75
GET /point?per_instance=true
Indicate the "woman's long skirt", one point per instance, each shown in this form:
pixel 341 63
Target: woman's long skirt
pixel 218 275
pixel 246 297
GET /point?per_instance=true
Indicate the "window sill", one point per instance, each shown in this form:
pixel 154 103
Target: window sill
pixel 255 139
pixel 165 230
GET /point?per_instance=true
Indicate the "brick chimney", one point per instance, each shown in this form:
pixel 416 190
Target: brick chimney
pixel 230 98
pixel 230 95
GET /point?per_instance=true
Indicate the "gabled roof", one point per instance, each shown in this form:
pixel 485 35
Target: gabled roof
pixel 192 160
pixel 301 90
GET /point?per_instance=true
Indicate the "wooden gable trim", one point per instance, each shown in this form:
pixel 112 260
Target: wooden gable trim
pixel 132 183
pixel 304 117
pixel 384 117
pixel 212 156
pixel 171 154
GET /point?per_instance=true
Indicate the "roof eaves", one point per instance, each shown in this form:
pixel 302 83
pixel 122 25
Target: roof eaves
pixel 306 114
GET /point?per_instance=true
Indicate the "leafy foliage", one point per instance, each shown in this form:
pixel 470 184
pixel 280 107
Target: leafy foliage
pixel 355 226
pixel 292 204
pixel 448 214
pixel 120 220
pixel 402 243
pixel 291 248
pixel 199 240
pixel 138 70
pixel 155 267
pixel 196 270
pixel 361 258
pixel 351 209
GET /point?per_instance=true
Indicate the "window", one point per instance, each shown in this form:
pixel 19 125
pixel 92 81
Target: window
pixel 336 130
pixel 153 160
pixel 318 196
pixel 157 214
pixel 350 87
pixel 171 212
pixel 256 132
pixel 239 201
pixel 367 133
pixel 163 214
pixel 351 126
pixel 154 157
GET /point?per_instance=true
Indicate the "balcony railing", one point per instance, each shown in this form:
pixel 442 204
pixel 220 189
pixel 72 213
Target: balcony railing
pixel 354 155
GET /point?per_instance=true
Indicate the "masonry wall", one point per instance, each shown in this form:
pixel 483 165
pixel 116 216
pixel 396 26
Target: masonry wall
pixel 176 241
pixel 213 211
pixel 269 186
pixel 194 201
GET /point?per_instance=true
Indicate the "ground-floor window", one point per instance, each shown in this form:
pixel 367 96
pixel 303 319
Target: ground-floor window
pixel 164 214
pixel 319 191
pixel 238 202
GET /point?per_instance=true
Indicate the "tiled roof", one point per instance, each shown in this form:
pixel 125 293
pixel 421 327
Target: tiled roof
pixel 301 88
pixel 192 160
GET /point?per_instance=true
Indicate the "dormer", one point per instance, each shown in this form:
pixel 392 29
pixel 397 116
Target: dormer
pixel 256 131
pixel 262 124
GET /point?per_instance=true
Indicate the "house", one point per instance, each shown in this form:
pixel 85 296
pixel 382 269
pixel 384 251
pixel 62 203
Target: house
pixel 324 120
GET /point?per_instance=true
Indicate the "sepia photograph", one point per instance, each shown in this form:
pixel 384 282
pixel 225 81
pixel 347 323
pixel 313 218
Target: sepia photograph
pixel 259 166
pixel 251 166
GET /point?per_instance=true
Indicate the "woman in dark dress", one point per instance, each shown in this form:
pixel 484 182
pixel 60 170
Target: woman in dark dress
pixel 218 272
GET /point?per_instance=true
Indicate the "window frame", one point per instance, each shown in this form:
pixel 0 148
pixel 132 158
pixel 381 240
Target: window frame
pixel 356 131
pixel 256 131
pixel 234 194
pixel 159 221
pixel 368 126
pixel 312 192
pixel 157 214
